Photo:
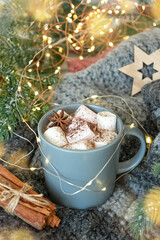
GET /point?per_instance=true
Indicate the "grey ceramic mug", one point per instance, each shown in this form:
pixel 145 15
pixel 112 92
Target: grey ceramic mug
pixel 77 167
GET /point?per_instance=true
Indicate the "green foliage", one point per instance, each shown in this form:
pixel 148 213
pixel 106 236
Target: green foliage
pixel 17 49
pixel 139 223
pixel 156 169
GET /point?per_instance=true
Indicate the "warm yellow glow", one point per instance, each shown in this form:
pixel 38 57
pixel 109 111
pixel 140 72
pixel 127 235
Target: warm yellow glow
pixel 29 84
pixel 36 93
pixel 95 26
pixel 19 88
pixel 116 11
pixel 69 38
pixel 126 37
pixel 41 11
pixel 143 7
pixel 46 26
pixel 77 48
pixel 9 128
pixel 60 50
pixel 57 26
pixel 110 11
pixel 49 87
pixel 69 19
pixel 128 5
pixel 30 70
pixel 148 139
pixel 49 40
pixel 111 30
pixel 155 9
pixel 45 37
pixel 89 183
pixel 38 108
pixel 48 55
pixel 110 44
pixel 77 30
pixel 81 57
pixel 152 205
pixel 132 125
pixel 32 168
pixel 37 64
pixel 46 161
pixel 80 24
pixel 92 48
pixel 118 7
pixel 103 189
pixel 94 96
pixel 38 140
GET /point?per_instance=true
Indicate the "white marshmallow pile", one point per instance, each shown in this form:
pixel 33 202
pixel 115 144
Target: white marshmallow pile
pixel 87 130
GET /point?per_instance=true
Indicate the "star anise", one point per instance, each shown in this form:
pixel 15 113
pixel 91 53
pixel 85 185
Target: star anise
pixel 59 120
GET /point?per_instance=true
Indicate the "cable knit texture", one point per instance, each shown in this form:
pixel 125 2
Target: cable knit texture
pixel 110 220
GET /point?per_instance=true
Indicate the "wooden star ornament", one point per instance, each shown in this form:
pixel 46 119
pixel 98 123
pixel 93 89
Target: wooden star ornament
pixel 145 69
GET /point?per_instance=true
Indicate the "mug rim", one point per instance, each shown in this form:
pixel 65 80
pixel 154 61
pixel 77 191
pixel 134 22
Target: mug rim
pixel 40 133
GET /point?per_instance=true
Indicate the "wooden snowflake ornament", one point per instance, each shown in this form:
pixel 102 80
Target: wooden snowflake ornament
pixel 145 69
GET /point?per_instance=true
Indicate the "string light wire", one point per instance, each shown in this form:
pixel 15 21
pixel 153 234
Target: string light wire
pixel 81 188
pixel 77 37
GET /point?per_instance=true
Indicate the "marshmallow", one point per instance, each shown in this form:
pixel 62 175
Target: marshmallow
pixel 76 123
pixel 106 120
pixel 82 145
pixel 104 137
pixel 86 114
pixel 82 132
pixel 56 136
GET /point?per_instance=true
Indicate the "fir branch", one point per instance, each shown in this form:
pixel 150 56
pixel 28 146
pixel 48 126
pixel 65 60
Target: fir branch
pixel 156 169
pixel 140 224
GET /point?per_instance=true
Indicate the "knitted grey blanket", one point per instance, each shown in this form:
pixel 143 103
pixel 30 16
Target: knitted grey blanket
pixel 110 220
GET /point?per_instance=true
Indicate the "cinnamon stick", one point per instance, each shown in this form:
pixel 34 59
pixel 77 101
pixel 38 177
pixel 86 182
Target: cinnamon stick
pixel 44 209
pixel 12 178
pixel 34 213
pixel 35 219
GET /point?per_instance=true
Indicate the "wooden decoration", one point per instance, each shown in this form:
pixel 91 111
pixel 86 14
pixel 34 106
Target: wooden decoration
pixel 137 71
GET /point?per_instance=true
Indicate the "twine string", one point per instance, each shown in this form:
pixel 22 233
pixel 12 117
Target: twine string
pixel 15 195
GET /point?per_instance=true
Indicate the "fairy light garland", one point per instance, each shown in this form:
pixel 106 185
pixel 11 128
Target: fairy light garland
pixel 78 37
pixel 93 28
pixel 47 161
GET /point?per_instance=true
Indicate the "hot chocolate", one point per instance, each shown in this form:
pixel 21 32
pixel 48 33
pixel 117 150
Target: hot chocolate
pixel 83 131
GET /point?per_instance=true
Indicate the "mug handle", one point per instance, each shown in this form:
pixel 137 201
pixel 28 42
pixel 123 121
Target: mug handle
pixel 134 161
